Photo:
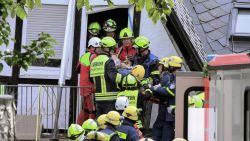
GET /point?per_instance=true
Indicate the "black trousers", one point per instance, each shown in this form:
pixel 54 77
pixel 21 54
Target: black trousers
pixel 104 107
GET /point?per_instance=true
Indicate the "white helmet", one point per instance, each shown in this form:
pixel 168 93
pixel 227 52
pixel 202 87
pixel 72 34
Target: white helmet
pixel 95 42
pixel 121 103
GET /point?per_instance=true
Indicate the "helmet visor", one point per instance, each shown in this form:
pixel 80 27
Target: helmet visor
pixel 94 31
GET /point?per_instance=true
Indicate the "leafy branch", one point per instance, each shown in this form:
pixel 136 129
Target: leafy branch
pixel 40 48
pixel 157 9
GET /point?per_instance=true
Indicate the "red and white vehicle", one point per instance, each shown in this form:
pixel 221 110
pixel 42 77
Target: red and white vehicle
pixel 226 112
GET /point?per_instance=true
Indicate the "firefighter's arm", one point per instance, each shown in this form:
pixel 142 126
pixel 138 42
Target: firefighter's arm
pixel 155 74
pixel 112 72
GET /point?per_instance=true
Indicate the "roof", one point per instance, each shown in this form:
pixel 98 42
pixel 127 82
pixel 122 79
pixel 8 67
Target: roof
pixel 232 60
pixel 188 25
pixel 211 19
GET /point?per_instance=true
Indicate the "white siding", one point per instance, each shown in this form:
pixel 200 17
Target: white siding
pixel 161 45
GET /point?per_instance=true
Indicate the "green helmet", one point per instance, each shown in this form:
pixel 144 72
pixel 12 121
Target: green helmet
pixel 108 42
pixel 142 42
pixel 94 28
pixel 126 33
pixel 75 131
pixel 109 25
pixel 129 81
pixel 90 125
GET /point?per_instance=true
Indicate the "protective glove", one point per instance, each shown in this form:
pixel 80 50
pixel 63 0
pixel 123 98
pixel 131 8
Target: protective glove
pixel 155 87
pixel 171 109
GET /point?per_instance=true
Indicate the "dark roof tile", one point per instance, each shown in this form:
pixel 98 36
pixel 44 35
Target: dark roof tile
pixel 223 29
pixel 211 4
pixel 225 18
pixel 205 17
pixel 207 27
pixel 223 41
pixel 216 45
pixel 217 12
pixel 223 1
pixel 215 35
pixel 216 23
pixel 227 7
pixel 200 0
pixel 199 8
pixel 209 40
pixel 226 50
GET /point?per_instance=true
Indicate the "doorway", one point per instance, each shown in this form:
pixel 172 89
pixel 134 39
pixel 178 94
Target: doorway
pixel 119 15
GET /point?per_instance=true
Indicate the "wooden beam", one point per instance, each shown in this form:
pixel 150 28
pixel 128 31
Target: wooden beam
pixel 136 22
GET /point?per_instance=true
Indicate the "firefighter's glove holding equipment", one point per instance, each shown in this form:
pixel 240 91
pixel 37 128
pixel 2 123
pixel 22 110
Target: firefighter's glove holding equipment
pixel 171 109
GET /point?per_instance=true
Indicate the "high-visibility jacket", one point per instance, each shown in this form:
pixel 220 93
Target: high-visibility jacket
pixel 105 77
pixel 80 138
pixel 132 95
pixel 85 61
pixel 127 131
pixel 110 135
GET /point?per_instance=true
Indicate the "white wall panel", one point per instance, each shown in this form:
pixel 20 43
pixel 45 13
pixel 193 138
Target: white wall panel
pixel 161 45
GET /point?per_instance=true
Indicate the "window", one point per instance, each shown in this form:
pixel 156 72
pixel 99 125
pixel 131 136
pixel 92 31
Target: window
pixel 240 31
pixel 50 18
pixel 243 20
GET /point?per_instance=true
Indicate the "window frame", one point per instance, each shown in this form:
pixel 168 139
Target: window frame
pixel 42 71
pixel 235 13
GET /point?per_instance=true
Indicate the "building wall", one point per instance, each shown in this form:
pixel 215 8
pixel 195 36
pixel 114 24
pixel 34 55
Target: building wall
pixel 160 43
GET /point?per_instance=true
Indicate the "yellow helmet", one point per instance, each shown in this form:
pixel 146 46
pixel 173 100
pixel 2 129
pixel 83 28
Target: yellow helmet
pixel 94 135
pixel 179 139
pixel 90 125
pixel 101 121
pixel 131 113
pixel 175 61
pixel 138 71
pixel 75 131
pixel 146 139
pixel 164 62
pixel 113 118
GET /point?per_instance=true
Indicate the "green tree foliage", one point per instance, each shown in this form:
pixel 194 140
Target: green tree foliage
pixel 157 9
pixel 42 47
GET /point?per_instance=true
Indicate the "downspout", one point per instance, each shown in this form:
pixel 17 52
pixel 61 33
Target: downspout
pixel 66 46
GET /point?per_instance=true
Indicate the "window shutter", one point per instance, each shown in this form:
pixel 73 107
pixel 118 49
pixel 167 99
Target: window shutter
pixel 51 19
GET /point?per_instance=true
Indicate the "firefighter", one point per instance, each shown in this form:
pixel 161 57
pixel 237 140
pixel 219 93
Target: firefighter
pixel 76 132
pixel 121 103
pixel 145 58
pixel 127 131
pixel 110 27
pixel 126 51
pixel 87 90
pixel 94 29
pixel 113 120
pixel 163 128
pixel 95 136
pixel 101 122
pixel 149 61
pixel 89 125
pixel 106 78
